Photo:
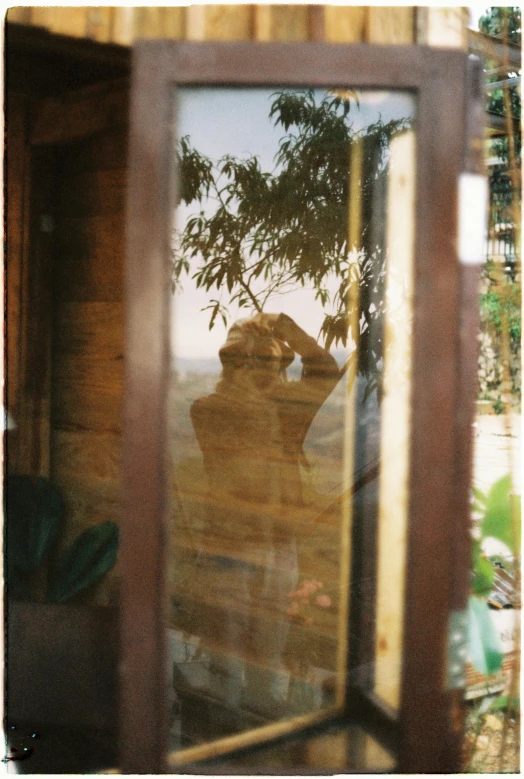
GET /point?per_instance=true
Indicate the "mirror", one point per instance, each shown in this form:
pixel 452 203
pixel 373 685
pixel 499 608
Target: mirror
pixel 290 370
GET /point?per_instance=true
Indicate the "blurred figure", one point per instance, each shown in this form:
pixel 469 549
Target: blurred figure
pixel 251 432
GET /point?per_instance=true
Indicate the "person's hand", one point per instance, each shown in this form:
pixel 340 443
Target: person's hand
pixel 282 327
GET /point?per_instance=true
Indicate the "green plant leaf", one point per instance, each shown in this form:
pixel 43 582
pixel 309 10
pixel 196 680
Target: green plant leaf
pixel 34 511
pixel 479 496
pixel 505 703
pixel 485 650
pixel 483 574
pixel 479 502
pixel 497 522
pixel 91 556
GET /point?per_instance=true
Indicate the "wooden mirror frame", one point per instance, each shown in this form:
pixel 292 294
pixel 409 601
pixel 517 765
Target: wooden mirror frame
pixel 427 731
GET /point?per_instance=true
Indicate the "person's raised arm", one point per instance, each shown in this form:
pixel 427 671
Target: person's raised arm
pixel 316 360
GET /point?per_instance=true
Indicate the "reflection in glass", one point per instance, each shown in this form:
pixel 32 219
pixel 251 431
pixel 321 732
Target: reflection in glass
pixel 278 315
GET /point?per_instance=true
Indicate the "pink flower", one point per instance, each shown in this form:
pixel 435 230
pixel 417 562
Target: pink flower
pixel 323 600
pixel 311 586
pixel 292 610
pixel 304 601
pixel 308 621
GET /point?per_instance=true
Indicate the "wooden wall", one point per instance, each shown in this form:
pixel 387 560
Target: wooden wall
pixel 66 164
pixel 371 24
pixel 87 364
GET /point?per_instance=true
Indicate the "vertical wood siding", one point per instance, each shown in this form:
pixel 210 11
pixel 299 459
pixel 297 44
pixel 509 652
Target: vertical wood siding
pixel 341 24
pixel 87 363
pixel 372 24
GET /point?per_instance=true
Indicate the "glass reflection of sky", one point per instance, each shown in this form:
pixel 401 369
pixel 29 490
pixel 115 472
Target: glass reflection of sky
pixel 236 121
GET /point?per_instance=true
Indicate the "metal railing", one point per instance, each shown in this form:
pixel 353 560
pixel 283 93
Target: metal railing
pixel 501 228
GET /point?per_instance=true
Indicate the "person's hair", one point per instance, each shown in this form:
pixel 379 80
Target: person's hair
pixel 244 339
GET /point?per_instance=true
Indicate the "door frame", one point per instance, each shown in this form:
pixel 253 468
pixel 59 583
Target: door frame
pixel 428 725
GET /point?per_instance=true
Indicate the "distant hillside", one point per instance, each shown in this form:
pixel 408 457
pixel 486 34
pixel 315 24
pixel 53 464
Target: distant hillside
pixel 211 366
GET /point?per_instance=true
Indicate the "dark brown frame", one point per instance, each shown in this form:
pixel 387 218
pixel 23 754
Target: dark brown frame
pixel 427 729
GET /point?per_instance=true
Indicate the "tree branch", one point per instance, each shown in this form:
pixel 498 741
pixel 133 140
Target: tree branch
pixel 253 299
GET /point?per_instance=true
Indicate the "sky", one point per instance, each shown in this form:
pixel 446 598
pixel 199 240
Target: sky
pixel 475 12
pixel 236 121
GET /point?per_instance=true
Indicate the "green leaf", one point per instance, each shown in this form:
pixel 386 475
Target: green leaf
pixel 480 496
pixel 485 650
pixel 497 522
pixel 483 575
pixel 505 703
pixel 91 556
pixel 34 511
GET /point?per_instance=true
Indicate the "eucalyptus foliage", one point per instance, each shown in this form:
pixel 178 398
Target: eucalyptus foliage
pixel 271 231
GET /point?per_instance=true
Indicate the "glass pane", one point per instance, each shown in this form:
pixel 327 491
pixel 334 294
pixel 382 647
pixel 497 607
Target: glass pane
pixel 293 231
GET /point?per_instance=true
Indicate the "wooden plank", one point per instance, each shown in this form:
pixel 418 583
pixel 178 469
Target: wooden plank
pixel 262 23
pixel 19 15
pixel 345 24
pixel 195 23
pixel 81 408
pixel 316 23
pixel 391 24
pixel 143 709
pixel 76 373
pixel 80 113
pixel 75 21
pixel 93 193
pixel 319 557
pixel 87 394
pixel 94 329
pixel 123 25
pixel 395 419
pixel 442 27
pixel 207 580
pixel 90 264
pixel 98 23
pixel 68 21
pixel 31 454
pixel 35 321
pixel 44 16
pixel 281 23
pixel 208 717
pixel 87 462
pixel 489 46
pixel 157 22
pixel 207 620
pixel 228 22
pixel 426 714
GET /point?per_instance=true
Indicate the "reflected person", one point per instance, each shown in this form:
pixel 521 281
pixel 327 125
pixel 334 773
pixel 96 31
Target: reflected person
pixel 251 432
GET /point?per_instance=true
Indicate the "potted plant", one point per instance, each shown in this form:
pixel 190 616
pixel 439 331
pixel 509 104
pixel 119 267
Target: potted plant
pixel 61 654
